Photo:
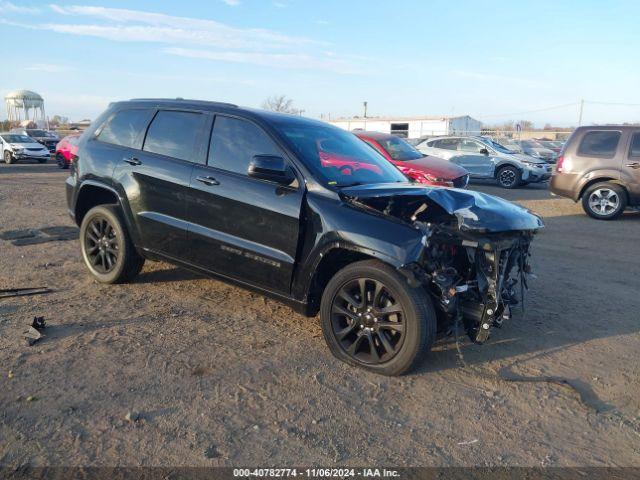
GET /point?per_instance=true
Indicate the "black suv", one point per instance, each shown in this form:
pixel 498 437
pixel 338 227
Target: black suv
pixel 266 201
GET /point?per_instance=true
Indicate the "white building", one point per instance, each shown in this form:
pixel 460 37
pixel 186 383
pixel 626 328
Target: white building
pixel 413 127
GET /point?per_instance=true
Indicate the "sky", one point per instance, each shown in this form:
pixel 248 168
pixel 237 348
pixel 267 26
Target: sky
pixel 494 60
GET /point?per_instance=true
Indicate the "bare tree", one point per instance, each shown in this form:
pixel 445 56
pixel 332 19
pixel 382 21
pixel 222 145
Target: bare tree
pixel 280 103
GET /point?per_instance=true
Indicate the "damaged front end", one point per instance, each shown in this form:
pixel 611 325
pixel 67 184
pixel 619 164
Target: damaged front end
pixel 474 252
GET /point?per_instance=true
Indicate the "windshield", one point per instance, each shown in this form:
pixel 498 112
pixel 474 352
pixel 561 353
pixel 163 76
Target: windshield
pixel 37 133
pixel 499 147
pixel 531 144
pixel 399 149
pixel 338 158
pixel 17 139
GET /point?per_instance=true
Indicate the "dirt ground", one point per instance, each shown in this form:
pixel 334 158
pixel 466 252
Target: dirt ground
pixel 221 376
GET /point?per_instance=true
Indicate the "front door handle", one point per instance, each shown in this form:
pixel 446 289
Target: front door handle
pixel 132 161
pixel 634 164
pixel 208 180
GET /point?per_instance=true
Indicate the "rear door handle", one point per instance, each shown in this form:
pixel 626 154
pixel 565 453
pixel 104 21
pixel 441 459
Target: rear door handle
pixel 132 161
pixel 634 164
pixel 208 180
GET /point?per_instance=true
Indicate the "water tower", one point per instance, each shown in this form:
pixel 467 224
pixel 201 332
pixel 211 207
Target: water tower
pixel 25 106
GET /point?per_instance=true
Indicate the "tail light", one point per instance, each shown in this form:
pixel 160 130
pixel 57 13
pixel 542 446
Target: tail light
pixel 73 166
pixel 559 164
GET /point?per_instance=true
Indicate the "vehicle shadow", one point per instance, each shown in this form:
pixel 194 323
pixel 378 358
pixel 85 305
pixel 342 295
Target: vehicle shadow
pixel 31 167
pixel 586 289
pixel 171 274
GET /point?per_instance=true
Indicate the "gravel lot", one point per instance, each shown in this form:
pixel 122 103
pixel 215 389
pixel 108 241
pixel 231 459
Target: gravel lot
pixel 221 376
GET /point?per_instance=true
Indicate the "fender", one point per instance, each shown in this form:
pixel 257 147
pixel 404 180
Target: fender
pixel 123 203
pixel 303 279
pixel 608 175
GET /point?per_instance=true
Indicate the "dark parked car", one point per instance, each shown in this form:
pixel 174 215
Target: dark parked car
pixel 44 137
pixel 244 195
pixel 600 166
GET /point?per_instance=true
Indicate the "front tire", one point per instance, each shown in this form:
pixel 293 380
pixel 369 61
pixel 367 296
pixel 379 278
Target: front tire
pixel 43 160
pixel 372 318
pixel 8 158
pixel 106 247
pixel 604 201
pixel 509 177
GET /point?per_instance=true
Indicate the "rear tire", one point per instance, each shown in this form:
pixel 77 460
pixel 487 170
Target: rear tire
pixel 107 249
pixel 62 164
pixel 8 158
pixel 604 201
pixel 509 177
pixel 400 323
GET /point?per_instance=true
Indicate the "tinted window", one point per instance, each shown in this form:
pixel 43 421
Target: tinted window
pixel 634 151
pixel 447 144
pixel 175 134
pixel 234 143
pixel 125 128
pixel 603 143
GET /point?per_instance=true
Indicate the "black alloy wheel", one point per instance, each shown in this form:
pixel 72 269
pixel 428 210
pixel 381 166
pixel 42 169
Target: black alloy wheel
pixel 102 245
pixel 372 318
pixel 368 321
pixel 107 249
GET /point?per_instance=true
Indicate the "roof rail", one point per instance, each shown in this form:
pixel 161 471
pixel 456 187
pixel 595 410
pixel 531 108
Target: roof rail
pixel 186 100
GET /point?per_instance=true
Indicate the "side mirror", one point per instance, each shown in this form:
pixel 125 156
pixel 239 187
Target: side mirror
pixel 484 151
pixel 271 168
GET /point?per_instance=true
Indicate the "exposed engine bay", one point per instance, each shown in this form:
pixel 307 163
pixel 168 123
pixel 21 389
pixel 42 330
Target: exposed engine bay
pixel 474 258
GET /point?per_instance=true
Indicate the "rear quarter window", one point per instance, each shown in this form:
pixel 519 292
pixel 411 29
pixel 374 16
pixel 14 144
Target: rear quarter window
pixel 603 143
pixel 175 134
pixel 125 128
pixel 634 149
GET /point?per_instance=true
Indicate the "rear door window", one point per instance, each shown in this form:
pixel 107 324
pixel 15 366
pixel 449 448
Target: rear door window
pixel 234 143
pixel 603 143
pixel 634 150
pixel 126 128
pixel 175 134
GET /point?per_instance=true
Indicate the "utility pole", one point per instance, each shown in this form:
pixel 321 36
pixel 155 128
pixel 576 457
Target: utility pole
pixel 365 109
pixel 581 110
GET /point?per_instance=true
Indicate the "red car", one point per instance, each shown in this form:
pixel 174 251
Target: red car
pixel 66 149
pixel 414 164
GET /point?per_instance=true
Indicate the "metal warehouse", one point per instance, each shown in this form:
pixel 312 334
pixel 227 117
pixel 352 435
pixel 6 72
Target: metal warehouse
pixel 413 127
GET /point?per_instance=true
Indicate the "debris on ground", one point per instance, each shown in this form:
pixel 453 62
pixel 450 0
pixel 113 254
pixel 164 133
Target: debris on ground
pixel 31 398
pixel 33 334
pixel 38 323
pixel 470 442
pixel 132 417
pixel 18 292
pixel 211 452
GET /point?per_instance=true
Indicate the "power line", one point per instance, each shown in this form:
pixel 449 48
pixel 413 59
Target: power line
pixel 614 103
pixel 555 107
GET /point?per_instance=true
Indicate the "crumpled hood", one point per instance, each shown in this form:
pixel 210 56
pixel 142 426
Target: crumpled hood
pixel 475 211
